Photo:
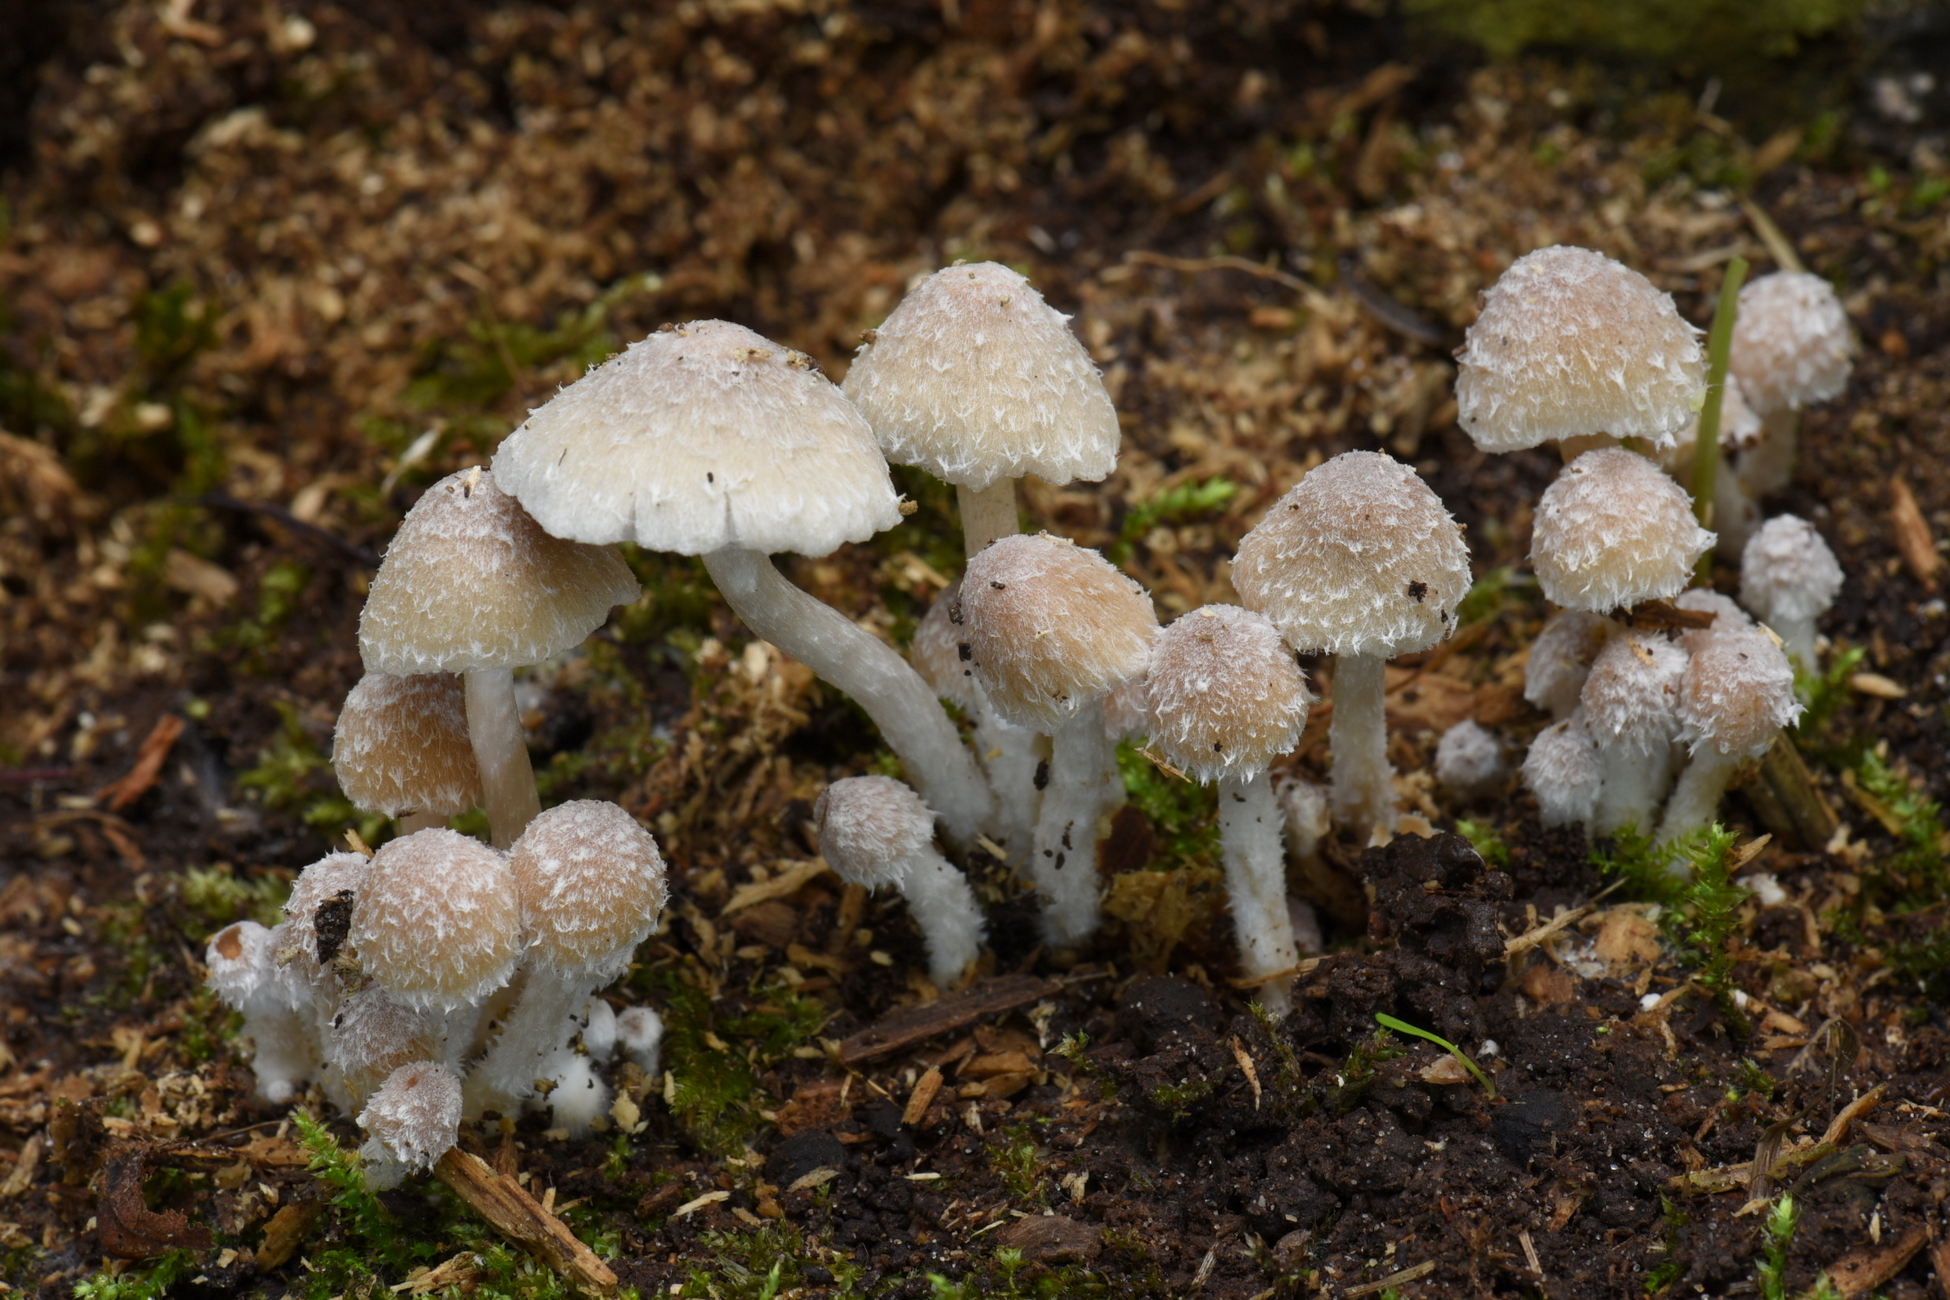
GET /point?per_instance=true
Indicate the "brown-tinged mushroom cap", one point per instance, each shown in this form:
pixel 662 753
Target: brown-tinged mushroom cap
pixel 1727 615
pixel 1631 696
pixel 334 879
pixel 936 653
pixel 591 884
pixel 975 378
pixel 1791 343
pixel 416 1113
pixel 1226 697
pixel 871 828
pixel 1613 530
pixel 401 746
pixel 700 437
pixel 1358 558
pixel 1051 627
pixel 437 922
pixel 1738 693
pixel 374 1034
pixel 241 961
pixel 472 582
pixel 1571 343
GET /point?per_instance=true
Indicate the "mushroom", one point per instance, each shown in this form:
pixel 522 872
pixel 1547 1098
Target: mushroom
pixel 874 831
pixel 1359 560
pixel 1789 578
pixel 1613 531
pixel 707 439
pixel 373 1035
pixel 1469 761
pixel 1735 516
pixel 975 379
pixel 1573 346
pixel 401 749
pixel 1791 348
pixel 1737 694
pixel 471 584
pixel 1225 698
pixel 1050 629
pixel 413 1120
pixel 640 1033
pixel 1727 615
pixel 1563 770
pixel 242 961
pixel 1560 659
pixel 1630 704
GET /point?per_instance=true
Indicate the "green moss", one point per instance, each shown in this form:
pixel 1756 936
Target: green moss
pixel 383 1243
pixel 1824 692
pixel 1184 814
pixel 1651 29
pixel 292 774
pixel 219 896
pixel 766 1263
pixel 1019 1165
pixel 715 1094
pixel 1488 844
pixel 1170 506
pixel 150 1283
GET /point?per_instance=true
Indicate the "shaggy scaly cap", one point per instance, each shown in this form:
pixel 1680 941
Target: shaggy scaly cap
pixel 1727 616
pixel 871 828
pixel 700 437
pixel 1738 693
pixel 416 1113
pixel 1570 343
pixel 1612 530
pixel 1225 696
pixel 1359 558
pixel 471 582
pixel 1560 659
pixel 936 653
pixel 1788 572
pixel 1050 627
pixel 241 961
pixel 591 884
pixel 437 923
pixel 320 883
pixel 401 746
pixel 1564 771
pixel 1791 344
pixel 1631 697
pixel 374 1034
pixel 975 378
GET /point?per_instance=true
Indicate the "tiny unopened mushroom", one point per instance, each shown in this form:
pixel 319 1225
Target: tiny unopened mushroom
pixel 413 1120
pixel 1225 699
pixel 875 832
pixel 1735 515
pixel 1564 772
pixel 1361 561
pixel 1789 578
pixel 977 380
pixel 1726 612
pixel 401 748
pixel 1612 531
pixel 244 972
pixel 1469 761
pixel 1560 659
pixel 640 1035
pixel 1737 694
pixel 373 1035
pixel 1791 348
pixel 1630 704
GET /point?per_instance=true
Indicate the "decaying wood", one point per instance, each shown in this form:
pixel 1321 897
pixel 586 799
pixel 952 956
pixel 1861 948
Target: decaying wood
pixel 1912 534
pixel 517 1216
pixel 285 1232
pixel 911 1025
pixel 1784 798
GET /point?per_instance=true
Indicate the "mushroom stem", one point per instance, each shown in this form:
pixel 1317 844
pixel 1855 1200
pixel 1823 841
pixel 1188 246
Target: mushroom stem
pixel 1696 799
pixel 943 905
pixel 413 822
pixel 1064 861
pixel 540 1023
pixel 904 708
pixel 987 513
pixel 501 753
pixel 1633 781
pixel 1364 786
pixel 1769 467
pixel 1249 835
pixel 1011 756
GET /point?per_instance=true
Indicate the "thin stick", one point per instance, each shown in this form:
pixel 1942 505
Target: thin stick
pixel 1706 445
pixel 517 1216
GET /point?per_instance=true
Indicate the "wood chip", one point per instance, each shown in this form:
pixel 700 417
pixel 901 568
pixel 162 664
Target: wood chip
pixel 148 765
pixel 783 885
pixel 285 1233
pixel 1882 688
pixel 1863 1105
pixel 516 1215
pixel 912 1025
pixel 1245 1059
pixel 1867 1267
pixel 25 1164
pixel 922 1096
pixel 1912 534
pixel 1407 1275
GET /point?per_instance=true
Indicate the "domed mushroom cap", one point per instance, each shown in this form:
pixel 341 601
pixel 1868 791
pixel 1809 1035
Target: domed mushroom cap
pixel 241 959
pixel 1560 659
pixel 1564 771
pixel 1612 530
pixel 1631 697
pixel 416 1113
pixel 1127 715
pixel 401 746
pixel 437 922
pixel 936 653
pixel 975 378
pixel 1225 696
pixel 1738 692
pixel 700 437
pixel 1359 558
pixel 374 1034
pixel 1727 616
pixel 471 582
pixel 1050 627
pixel 1469 758
pixel 334 879
pixel 1569 343
pixel 1788 572
pixel 870 828
pixel 1791 344
pixel 591 885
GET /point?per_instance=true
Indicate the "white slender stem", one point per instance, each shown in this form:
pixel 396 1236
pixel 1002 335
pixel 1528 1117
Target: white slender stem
pixel 1633 782
pixel 1735 516
pixel 1249 838
pixel 501 753
pixel 987 514
pixel 1770 466
pixel 1798 639
pixel 901 704
pixel 1696 799
pixel 1064 863
pixel 1011 756
pixel 534 1030
pixel 1364 783
pixel 944 907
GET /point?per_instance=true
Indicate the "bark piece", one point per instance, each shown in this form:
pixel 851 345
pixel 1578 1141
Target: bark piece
pixel 517 1216
pixel 911 1025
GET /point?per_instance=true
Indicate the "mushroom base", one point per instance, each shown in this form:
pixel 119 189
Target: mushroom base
pixel 1249 835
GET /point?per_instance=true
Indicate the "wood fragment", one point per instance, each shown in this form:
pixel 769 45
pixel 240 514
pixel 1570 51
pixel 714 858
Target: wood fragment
pixel 912 1025
pixel 285 1233
pixel 516 1215
pixel 923 1095
pixel 1784 797
pixel 1413 1273
pixel 787 882
pixel 1912 534
pixel 149 759
pixel 1863 1105
pixel 1867 1267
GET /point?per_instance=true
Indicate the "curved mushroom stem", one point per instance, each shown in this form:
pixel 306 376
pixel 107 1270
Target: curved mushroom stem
pixel 1770 466
pixel 1249 836
pixel 501 752
pixel 1696 799
pixel 944 906
pixel 1364 784
pixel 1798 640
pixel 1633 782
pixel 904 708
pixel 1064 861
pixel 987 514
pixel 540 1023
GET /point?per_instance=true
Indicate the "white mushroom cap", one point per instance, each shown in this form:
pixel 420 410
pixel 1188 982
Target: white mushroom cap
pixel 1469 759
pixel 591 885
pixel 1359 558
pixel 1631 697
pixel 700 437
pixel 936 653
pixel 598 1029
pixel 401 746
pixel 1564 771
pixel 1224 693
pixel 437 922
pixel 1612 530
pixel 1571 343
pixel 374 1034
pixel 415 1114
pixel 871 828
pixel 1051 627
pixel 1791 343
pixel 1560 658
pixel 975 378
pixel 241 961
pixel 320 883
pixel 1738 693
pixel 471 582
pixel 640 1033
pixel 1788 572
pixel 1727 616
